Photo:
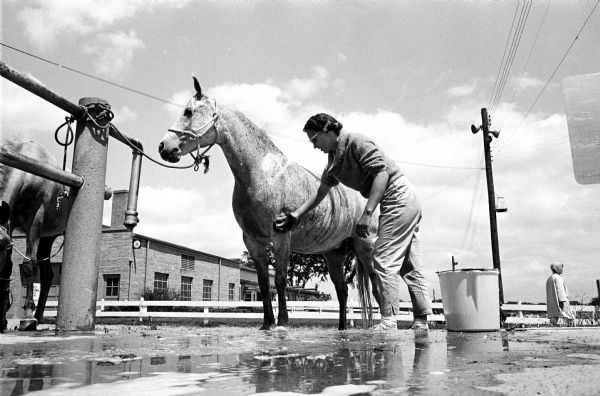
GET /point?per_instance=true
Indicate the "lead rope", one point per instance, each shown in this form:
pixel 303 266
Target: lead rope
pixel 69 136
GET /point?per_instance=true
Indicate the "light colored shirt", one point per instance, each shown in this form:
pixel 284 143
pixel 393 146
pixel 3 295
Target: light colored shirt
pixel 556 292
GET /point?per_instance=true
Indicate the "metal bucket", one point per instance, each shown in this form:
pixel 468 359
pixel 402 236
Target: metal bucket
pixel 470 299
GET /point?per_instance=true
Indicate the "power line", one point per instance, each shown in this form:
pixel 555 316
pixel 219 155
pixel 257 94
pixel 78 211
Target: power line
pixel 507 62
pixel 503 56
pixel 554 72
pixel 451 186
pixel 512 53
pixel 91 76
pixel 518 84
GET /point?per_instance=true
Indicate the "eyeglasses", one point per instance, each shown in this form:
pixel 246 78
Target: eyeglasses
pixel 314 137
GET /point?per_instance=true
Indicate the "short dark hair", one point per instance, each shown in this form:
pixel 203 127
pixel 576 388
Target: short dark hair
pixel 323 123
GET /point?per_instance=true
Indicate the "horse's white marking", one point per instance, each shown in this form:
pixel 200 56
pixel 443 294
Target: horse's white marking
pixel 274 165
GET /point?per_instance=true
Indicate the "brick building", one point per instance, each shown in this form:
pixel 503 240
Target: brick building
pixel 131 263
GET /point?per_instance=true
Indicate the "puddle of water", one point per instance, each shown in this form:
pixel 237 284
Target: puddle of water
pixel 239 361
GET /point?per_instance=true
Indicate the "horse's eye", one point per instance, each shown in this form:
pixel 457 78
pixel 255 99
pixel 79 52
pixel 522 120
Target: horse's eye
pixel 187 112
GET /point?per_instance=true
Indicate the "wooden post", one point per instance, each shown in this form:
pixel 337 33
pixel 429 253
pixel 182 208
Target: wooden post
pixel 491 199
pixel 79 278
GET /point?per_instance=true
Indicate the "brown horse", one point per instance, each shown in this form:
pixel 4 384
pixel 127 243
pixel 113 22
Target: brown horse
pixel 267 183
pixel 33 202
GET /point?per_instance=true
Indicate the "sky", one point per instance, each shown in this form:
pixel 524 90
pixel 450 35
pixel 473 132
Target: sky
pixel 413 75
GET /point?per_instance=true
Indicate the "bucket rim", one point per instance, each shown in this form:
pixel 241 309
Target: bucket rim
pixel 469 270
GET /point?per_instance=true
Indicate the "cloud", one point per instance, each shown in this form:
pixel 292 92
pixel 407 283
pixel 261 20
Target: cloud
pixel 463 90
pixel 341 57
pixel 113 53
pixel 527 82
pixel 182 216
pixel 25 114
pixel 304 88
pixel 45 21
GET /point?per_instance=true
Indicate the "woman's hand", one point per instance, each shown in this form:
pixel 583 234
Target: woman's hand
pixel 284 222
pixel 362 227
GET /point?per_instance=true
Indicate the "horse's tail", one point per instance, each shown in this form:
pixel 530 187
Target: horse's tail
pixel 363 272
pixel 364 292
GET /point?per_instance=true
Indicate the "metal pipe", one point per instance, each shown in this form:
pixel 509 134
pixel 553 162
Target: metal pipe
pixel 37 88
pixel 131 214
pixel 27 164
pixel 40 90
pixel 79 278
pixel 123 138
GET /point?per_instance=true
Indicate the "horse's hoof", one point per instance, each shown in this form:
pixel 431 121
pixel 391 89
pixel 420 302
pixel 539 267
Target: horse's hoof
pixel 280 328
pixel 28 325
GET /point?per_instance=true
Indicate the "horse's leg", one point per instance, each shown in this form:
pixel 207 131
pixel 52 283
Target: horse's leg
pixel 29 266
pixel 258 252
pixel 335 263
pixel 5 273
pixel 281 251
pixel 46 274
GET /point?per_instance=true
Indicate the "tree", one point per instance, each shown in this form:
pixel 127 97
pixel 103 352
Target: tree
pixel 246 260
pixel 594 301
pixel 304 267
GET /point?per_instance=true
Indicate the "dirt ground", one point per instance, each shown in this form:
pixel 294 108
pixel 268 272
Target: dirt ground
pixel 229 360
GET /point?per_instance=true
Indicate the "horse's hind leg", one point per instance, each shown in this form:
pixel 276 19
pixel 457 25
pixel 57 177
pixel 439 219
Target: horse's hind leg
pixel 46 275
pixel 281 252
pixel 335 263
pixel 258 252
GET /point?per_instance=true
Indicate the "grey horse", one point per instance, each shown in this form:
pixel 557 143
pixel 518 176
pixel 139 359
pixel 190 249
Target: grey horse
pixel 266 184
pixel 34 210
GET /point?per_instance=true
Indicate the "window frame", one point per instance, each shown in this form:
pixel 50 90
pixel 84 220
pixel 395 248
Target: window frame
pixel 207 285
pixel 185 294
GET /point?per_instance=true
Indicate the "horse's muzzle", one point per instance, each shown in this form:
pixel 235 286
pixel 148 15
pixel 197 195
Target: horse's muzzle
pixel 169 155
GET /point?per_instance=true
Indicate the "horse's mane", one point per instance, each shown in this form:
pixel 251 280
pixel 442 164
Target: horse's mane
pixel 12 144
pixel 257 131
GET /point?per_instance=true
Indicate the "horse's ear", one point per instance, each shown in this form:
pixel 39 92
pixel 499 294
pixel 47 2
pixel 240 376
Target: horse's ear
pixel 197 87
pixel 4 213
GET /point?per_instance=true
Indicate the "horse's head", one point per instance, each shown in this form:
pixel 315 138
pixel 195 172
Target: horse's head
pixel 5 239
pixel 195 128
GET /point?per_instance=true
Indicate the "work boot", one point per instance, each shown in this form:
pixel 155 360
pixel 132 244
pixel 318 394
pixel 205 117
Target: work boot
pixel 388 323
pixel 420 325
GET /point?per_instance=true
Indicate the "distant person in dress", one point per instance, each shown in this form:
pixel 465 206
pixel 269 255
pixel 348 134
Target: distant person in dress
pixel 557 297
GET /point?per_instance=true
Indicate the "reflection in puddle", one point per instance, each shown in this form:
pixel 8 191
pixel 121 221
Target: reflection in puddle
pixel 240 362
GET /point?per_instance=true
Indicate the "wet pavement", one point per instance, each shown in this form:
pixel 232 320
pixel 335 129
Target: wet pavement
pixel 226 360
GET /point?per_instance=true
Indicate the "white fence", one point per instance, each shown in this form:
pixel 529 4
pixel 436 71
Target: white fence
pixel 529 315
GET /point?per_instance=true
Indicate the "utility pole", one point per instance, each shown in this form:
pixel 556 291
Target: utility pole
pixel 487 138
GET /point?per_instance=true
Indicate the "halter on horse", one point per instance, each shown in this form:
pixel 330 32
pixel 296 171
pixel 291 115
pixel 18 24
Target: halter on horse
pixel 266 183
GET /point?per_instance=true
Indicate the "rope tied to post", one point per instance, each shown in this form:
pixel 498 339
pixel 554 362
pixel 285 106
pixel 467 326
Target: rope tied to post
pixel 69 137
pixel 103 117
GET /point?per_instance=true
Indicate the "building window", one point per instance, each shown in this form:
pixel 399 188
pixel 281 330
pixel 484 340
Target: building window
pixel 186 288
pixel 187 262
pixel 160 282
pixel 231 291
pixel 207 290
pixel 112 286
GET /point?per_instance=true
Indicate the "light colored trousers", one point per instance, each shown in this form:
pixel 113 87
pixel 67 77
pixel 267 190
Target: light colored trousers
pixel 396 253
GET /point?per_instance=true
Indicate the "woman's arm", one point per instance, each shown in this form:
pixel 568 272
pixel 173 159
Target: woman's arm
pixel 286 221
pixel 312 202
pixel 375 196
